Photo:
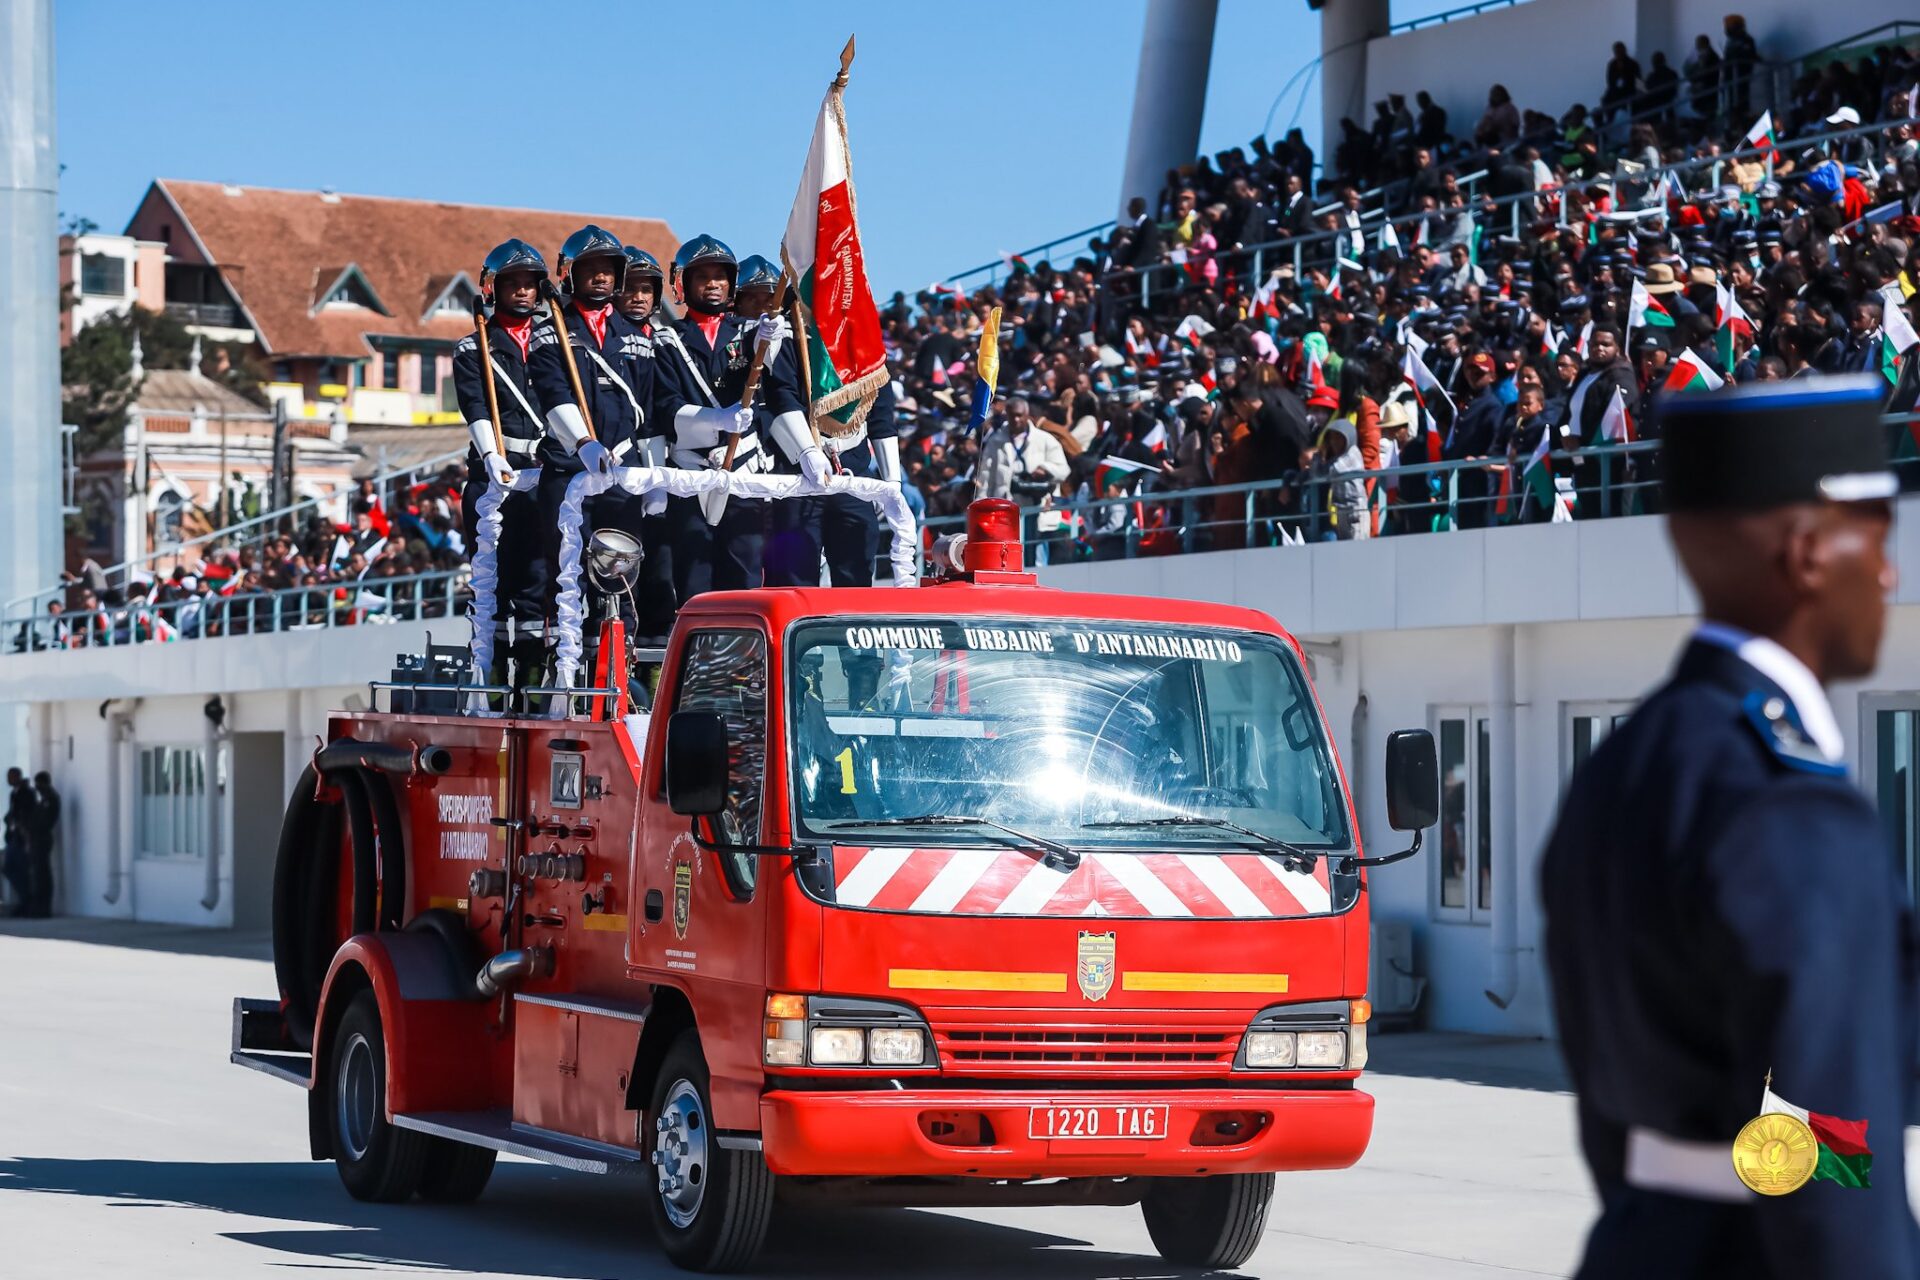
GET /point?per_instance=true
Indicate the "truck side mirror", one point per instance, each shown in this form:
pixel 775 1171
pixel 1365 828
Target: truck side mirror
pixel 1413 780
pixel 697 763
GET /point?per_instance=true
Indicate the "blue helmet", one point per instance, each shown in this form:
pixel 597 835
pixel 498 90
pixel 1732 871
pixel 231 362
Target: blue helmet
pixel 642 264
pixel 704 248
pixel 511 255
pixel 591 241
pixel 757 272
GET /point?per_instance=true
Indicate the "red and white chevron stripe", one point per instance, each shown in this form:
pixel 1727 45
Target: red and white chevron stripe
pixel 1010 883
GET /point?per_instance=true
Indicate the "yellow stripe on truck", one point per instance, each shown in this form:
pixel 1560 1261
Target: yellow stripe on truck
pixel 973 980
pixel 1143 980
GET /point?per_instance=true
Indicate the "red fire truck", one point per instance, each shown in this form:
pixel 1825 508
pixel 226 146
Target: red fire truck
pixel 977 893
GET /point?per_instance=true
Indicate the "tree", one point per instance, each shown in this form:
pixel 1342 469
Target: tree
pixel 96 371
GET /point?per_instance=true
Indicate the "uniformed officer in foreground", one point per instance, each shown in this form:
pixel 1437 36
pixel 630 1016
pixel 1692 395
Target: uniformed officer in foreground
pixel 653 597
pixel 1720 903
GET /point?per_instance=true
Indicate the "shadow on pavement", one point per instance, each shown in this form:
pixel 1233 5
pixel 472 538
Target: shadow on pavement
pixel 1506 1062
pixel 173 939
pixel 540 1222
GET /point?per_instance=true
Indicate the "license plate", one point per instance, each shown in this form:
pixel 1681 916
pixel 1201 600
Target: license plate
pixel 1135 1123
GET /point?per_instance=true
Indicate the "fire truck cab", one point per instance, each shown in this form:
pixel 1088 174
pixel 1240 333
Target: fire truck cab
pixel 970 894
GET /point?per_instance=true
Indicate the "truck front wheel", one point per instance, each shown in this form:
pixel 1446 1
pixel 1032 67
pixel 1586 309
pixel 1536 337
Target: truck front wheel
pixel 376 1160
pixel 710 1206
pixel 1211 1222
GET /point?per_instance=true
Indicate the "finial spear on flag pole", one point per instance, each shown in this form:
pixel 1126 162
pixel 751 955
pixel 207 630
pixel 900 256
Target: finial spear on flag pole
pixel 846 63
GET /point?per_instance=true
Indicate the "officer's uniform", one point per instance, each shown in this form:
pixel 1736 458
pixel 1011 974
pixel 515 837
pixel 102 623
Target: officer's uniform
pixel 1720 905
pixel 842 528
pixel 654 599
pixel 616 367
pixel 701 374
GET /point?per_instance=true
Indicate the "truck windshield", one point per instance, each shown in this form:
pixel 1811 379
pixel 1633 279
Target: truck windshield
pixel 1079 733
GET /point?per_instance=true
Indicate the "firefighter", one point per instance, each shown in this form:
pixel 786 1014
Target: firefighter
pixel 616 427
pixel 1722 922
pixel 757 293
pixel 654 601
pixel 842 528
pixel 509 568
pixel 705 357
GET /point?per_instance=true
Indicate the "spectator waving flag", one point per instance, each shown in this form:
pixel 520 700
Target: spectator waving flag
pixel 1690 373
pixel 1616 424
pixel 1761 135
pixel 1897 336
pixel 1644 311
pixel 1192 330
pixel 1124 472
pixel 821 251
pixel 1734 334
pixel 986 371
pixel 1389 238
pixel 1539 478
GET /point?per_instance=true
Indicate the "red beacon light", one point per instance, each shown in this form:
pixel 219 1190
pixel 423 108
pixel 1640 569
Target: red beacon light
pixel 989 551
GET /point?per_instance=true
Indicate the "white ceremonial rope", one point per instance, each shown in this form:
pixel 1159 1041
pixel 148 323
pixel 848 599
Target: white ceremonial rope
pixel 486 573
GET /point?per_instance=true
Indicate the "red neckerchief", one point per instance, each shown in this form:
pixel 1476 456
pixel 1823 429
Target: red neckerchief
pixel 519 328
pixel 709 325
pixel 596 318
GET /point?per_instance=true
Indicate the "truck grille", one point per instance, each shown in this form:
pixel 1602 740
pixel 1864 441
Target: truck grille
pixel 1087 1046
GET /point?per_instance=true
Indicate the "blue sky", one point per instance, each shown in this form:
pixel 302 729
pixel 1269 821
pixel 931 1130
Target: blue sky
pixel 976 127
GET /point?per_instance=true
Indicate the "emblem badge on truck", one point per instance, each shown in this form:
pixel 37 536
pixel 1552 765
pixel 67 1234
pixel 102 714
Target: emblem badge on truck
pixel 1097 964
pixel 682 898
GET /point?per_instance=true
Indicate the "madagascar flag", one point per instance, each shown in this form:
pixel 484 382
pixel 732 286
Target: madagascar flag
pixel 1844 1155
pixel 1690 374
pixel 1124 472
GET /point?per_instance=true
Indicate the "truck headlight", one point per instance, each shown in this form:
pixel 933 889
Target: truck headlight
pixel 838 1047
pixel 1268 1049
pixel 896 1047
pixel 1323 1049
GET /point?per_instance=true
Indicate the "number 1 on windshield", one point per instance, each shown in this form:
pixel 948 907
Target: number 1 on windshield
pixel 846 771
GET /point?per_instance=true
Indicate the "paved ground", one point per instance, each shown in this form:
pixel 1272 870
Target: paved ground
pixel 129 1147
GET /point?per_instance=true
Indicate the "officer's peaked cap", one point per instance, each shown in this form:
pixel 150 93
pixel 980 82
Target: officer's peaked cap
pixel 1775 443
pixel 512 255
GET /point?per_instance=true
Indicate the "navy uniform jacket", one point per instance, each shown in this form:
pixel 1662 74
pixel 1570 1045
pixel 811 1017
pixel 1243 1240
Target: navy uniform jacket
pixel 881 423
pixel 1720 903
pixel 514 391
pixel 620 396
pixel 701 374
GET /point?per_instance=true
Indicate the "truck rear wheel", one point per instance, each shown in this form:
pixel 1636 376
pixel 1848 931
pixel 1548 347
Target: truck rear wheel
pixel 376 1160
pixel 455 1172
pixel 1211 1222
pixel 710 1206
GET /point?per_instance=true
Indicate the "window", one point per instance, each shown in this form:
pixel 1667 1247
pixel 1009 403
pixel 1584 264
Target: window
pixel 171 819
pixel 350 289
pixel 390 369
pixel 1890 747
pixel 726 672
pixel 1588 724
pixel 1464 869
pixel 103 275
pixel 429 373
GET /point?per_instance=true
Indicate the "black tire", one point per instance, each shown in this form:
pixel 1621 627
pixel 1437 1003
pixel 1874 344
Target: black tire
pixel 1213 1222
pixel 719 1219
pixel 455 1172
pixel 376 1160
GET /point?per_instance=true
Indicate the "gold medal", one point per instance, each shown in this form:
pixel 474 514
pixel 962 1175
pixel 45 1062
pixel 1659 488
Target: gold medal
pixel 1775 1154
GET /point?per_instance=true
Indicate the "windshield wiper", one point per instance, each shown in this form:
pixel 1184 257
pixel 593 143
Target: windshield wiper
pixel 1059 856
pixel 1292 856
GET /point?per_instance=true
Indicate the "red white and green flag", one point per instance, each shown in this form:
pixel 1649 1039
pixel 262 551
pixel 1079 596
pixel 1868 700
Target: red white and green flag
pixel 1644 311
pixel 1689 373
pixel 1844 1156
pixel 1124 472
pixel 1191 330
pixel 1897 336
pixel 1761 135
pixel 1733 333
pixel 1616 424
pixel 847 357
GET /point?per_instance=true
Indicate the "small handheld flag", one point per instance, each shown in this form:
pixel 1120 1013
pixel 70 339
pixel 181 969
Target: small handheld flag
pixel 986 371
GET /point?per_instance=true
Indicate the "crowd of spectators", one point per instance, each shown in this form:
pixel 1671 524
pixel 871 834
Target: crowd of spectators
pixel 1171 356
pixel 365 568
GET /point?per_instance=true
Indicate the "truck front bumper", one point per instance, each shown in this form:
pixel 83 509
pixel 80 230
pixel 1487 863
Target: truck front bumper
pixel 984 1133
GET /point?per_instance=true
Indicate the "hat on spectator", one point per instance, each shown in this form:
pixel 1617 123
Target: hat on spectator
pixel 1394 415
pixel 1745 236
pixel 1768 190
pixel 1770 235
pixel 1660 279
pixel 1650 340
pixel 1704 274
pixel 1323 397
pixel 1480 360
pixel 1573 304
pixel 1773 444
pixel 1844 116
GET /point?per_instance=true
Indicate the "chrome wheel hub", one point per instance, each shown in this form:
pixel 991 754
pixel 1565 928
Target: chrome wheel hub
pixel 680 1153
pixel 358 1098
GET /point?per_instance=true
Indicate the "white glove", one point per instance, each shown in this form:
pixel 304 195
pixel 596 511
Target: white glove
pixel 695 427
pixel 567 424
pixel 887 454
pixel 497 469
pixel 653 453
pixel 595 458
pixel 773 330
pixel 814 466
